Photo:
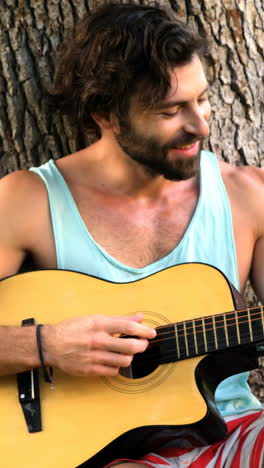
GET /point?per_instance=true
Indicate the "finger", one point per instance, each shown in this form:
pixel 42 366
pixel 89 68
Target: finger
pixel 138 317
pixel 129 327
pixel 111 359
pixel 126 345
pixel 101 370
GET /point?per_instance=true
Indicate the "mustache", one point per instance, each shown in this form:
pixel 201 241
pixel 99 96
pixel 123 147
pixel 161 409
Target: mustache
pixel 184 141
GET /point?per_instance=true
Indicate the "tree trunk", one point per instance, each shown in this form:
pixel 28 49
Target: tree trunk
pixel 30 31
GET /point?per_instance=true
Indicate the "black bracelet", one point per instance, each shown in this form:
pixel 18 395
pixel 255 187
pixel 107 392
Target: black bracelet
pixel 47 374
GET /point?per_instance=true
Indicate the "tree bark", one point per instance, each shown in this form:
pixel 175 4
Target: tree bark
pixel 31 30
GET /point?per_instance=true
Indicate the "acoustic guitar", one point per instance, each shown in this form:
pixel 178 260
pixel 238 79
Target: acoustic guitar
pixel 167 394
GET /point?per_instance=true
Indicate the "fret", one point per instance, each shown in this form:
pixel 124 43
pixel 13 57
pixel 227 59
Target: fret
pixel 215 334
pixel 185 339
pixel 225 329
pixel 181 340
pixel 237 329
pixel 243 326
pixel 231 320
pixel 191 337
pixel 198 330
pixel 204 335
pixel 195 338
pixel 256 323
pixel 250 326
pixel 177 341
pixel 220 331
pixel 210 333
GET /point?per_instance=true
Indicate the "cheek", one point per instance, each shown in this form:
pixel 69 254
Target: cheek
pixel 144 128
pixel 168 126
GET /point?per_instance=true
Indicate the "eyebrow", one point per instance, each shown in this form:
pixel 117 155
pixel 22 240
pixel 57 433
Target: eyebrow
pixel 167 105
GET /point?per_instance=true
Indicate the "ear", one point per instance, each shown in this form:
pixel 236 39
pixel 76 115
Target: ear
pixel 106 120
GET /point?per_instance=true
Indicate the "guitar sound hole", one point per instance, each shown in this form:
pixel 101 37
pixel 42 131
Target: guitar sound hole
pixel 133 372
pixel 142 365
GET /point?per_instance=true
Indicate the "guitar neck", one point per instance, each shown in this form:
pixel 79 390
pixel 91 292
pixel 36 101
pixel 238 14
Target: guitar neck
pixel 191 338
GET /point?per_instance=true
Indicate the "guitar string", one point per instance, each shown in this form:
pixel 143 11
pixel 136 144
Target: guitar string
pixel 154 354
pixel 259 310
pixel 155 340
pixel 211 317
pixel 170 354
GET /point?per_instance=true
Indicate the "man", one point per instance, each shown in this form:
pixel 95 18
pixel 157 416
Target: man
pixel 140 199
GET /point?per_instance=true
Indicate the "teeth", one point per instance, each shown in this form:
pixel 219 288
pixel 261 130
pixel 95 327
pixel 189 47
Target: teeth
pixel 185 147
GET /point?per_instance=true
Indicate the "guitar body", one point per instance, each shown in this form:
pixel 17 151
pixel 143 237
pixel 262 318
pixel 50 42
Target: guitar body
pixel 81 417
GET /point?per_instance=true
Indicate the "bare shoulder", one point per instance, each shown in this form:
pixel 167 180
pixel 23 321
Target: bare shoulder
pixel 243 175
pixel 245 186
pixel 23 212
pixel 23 178
pixel 22 197
pixel 20 188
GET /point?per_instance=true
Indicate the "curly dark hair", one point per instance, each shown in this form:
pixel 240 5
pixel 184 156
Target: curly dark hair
pixel 120 51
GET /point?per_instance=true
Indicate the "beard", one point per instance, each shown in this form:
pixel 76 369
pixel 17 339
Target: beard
pixel 155 157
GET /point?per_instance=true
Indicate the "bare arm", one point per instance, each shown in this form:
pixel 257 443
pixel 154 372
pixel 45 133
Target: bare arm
pixel 84 346
pixel 257 269
pixel 257 274
pixel 17 345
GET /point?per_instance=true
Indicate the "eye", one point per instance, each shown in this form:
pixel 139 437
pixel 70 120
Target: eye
pixel 201 100
pixel 170 115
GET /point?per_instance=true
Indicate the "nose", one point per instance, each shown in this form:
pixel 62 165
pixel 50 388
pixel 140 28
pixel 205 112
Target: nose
pixel 197 121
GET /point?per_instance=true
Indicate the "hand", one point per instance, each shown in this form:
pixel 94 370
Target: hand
pixel 91 346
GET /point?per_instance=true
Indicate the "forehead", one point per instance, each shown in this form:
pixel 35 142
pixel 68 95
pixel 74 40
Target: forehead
pixel 187 81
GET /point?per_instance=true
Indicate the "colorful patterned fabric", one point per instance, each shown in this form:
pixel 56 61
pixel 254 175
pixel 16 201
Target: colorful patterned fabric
pixel 242 448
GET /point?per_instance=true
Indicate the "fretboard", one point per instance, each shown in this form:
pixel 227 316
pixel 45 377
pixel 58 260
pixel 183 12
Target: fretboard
pixel 183 340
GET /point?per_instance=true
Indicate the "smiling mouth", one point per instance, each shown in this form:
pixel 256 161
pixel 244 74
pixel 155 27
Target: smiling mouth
pixel 185 146
pixel 187 150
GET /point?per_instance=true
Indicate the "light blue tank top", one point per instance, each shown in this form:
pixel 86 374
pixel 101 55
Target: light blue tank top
pixel 208 239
